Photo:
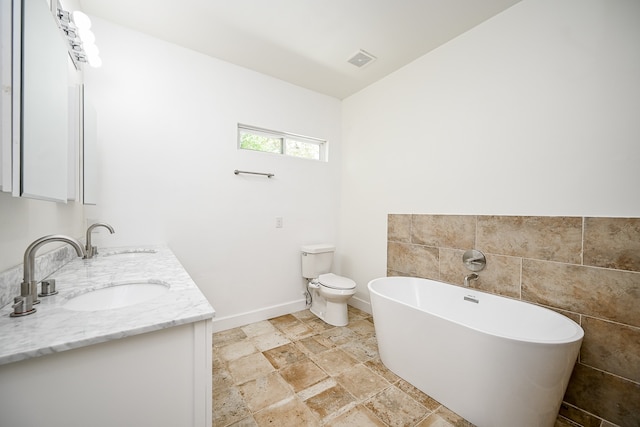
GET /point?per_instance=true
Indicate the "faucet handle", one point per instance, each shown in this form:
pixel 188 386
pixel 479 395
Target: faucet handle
pixel 474 260
pixel 22 306
pixel 48 288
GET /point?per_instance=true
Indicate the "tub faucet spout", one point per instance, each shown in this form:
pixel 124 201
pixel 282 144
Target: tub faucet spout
pixel 468 278
pixel 93 250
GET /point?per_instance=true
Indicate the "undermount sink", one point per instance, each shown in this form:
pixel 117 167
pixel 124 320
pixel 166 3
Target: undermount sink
pixel 117 295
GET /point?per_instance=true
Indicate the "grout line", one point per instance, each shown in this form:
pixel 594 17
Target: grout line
pixel 411 228
pixel 475 234
pixel 610 373
pixel 584 223
pixel 520 281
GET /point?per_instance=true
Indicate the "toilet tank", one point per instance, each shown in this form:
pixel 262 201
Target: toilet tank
pixel 316 260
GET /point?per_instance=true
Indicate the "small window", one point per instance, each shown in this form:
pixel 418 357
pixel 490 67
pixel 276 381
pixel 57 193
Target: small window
pixel 269 141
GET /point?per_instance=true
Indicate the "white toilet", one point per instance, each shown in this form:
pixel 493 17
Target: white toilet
pixel 329 292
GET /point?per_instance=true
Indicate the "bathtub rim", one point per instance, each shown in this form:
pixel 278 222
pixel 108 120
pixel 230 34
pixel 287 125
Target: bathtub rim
pixel 576 337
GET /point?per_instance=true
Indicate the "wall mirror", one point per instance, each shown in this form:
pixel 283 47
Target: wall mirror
pixel 44 105
pixel 6 99
pixel 35 150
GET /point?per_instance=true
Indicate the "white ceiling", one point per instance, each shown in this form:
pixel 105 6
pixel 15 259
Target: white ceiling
pixel 304 42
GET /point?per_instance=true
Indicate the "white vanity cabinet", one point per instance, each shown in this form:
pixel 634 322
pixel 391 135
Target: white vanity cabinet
pixel 159 379
pixel 144 364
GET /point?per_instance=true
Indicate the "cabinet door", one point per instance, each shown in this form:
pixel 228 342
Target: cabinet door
pixel 5 95
pixel 159 379
pixel 44 121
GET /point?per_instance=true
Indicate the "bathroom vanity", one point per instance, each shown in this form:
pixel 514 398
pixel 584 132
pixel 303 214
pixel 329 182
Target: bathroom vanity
pixel 105 352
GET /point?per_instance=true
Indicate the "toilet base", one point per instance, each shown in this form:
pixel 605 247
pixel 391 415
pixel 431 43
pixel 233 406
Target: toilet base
pixel 333 313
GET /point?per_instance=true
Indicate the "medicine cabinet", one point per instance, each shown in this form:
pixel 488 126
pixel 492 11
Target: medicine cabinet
pixel 37 107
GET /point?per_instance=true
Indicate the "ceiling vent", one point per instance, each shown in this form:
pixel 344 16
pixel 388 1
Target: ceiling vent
pixel 361 58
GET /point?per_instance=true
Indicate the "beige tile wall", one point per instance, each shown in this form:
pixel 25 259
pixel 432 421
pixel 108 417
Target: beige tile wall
pixel 586 268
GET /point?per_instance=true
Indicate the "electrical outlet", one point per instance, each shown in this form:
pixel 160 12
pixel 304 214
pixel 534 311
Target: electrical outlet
pixel 278 222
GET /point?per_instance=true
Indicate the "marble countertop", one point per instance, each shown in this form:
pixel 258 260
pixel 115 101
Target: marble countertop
pixel 53 328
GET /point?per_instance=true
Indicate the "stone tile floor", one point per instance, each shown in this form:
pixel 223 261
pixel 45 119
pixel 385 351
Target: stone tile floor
pixel 295 370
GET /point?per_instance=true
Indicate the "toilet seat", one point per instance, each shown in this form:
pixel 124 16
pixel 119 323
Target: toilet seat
pixel 334 281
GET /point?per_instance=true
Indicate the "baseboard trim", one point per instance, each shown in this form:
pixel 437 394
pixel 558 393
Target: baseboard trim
pixel 242 319
pixel 360 304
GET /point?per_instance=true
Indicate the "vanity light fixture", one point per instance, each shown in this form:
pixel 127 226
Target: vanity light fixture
pixel 76 26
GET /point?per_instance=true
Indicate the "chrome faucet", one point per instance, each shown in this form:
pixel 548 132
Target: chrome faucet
pixel 468 278
pixel 93 250
pixel 23 304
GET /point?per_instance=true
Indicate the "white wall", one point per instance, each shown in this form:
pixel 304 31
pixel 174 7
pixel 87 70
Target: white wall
pixel 534 112
pixel 167 120
pixel 24 220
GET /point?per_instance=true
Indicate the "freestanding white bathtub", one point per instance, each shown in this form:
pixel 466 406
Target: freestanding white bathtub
pixel 495 361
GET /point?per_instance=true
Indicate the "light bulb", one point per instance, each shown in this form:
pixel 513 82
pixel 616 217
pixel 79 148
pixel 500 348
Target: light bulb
pixel 94 61
pixel 91 49
pixel 81 20
pixel 87 36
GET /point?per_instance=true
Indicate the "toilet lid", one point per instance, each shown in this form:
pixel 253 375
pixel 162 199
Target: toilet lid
pixel 334 281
